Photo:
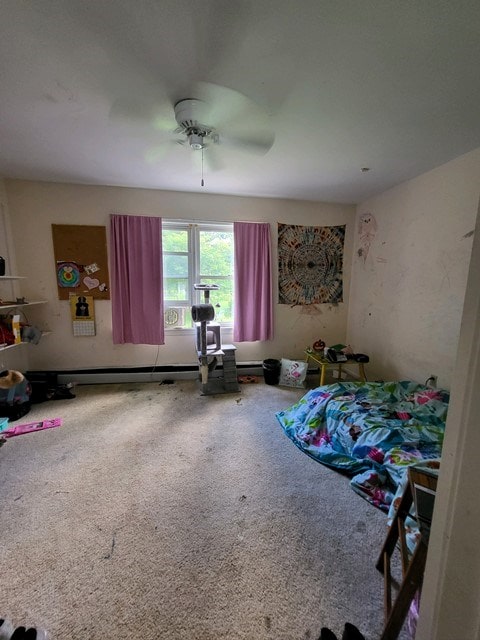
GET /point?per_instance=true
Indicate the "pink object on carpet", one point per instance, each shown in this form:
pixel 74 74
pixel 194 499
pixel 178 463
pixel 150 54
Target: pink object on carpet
pixel 20 429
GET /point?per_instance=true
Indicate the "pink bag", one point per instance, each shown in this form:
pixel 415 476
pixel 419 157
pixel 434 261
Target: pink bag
pixel 293 373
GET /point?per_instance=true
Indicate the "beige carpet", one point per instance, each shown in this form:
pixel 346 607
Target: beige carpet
pixel 155 512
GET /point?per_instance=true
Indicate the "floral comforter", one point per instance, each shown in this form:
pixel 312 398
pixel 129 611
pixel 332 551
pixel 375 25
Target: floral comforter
pixel 372 431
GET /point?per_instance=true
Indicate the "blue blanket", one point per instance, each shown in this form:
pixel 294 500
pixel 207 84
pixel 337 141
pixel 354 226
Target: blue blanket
pixel 371 431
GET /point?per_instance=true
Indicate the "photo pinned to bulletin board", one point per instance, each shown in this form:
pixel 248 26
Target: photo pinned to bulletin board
pixel 81 260
pixel 68 274
pixel 82 312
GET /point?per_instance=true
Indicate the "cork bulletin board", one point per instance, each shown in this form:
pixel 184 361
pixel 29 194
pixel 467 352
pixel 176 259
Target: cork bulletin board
pixel 81 260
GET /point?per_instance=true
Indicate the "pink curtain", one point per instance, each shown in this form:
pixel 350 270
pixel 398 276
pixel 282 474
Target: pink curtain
pixel 253 315
pixel 136 273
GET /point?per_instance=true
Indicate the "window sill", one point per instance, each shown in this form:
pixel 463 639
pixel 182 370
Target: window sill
pixel 224 328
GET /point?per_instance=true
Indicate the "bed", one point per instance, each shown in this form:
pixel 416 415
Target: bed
pixel 371 431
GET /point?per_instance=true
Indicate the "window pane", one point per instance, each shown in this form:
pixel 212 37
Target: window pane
pixel 214 262
pixel 216 253
pixel 175 266
pixel 175 289
pixel 175 240
pixel 223 297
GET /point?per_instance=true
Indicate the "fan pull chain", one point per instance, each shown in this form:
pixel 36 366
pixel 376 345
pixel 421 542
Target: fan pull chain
pixel 202 183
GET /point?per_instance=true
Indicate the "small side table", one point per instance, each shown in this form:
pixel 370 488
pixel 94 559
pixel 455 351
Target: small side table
pixel 325 364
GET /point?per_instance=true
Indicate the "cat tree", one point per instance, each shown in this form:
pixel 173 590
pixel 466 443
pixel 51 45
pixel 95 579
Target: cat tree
pixel 210 350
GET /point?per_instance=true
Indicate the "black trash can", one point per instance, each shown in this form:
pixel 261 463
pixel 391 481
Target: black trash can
pixel 271 371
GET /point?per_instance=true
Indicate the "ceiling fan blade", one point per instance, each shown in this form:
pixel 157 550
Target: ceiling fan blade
pixel 219 30
pixel 212 158
pixel 236 118
pixel 134 112
pixel 259 142
pixel 211 38
pixel 157 153
pixel 222 105
pixel 152 156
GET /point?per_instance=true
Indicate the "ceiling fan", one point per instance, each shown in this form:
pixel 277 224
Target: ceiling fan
pixel 211 118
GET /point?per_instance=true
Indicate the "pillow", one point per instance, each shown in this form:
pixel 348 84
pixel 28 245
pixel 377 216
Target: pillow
pixel 293 373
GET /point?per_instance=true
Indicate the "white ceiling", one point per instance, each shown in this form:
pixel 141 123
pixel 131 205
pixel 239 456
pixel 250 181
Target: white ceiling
pixel 393 85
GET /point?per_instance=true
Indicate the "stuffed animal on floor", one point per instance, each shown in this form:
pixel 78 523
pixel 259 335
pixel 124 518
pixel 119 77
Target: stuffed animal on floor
pixel 349 633
pixel 15 392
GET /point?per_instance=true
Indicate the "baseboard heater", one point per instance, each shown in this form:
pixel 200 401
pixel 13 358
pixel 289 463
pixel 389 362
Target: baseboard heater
pixel 141 374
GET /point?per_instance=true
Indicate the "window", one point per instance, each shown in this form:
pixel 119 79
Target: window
pixel 196 253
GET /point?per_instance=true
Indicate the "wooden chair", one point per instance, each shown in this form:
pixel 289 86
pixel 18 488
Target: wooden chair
pixel 413 565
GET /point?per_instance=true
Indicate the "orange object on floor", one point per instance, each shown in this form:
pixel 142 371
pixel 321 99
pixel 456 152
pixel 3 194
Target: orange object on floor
pixel 247 379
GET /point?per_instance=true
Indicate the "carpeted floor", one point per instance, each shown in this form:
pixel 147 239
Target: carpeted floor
pixel 157 513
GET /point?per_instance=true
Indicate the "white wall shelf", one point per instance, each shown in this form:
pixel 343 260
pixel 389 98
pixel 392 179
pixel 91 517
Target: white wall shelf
pixel 11 346
pixel 12 278
pixel 16 305
pixel 19 344
pixel 19 306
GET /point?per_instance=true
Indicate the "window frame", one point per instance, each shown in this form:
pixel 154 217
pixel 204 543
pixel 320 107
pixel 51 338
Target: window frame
pixel 194 228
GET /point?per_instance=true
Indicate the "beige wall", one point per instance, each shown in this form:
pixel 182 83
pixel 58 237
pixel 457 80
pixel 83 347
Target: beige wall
pixel 406 309
pixel 451 590
pixel 35 206
pixel 410 271
pixel 404 297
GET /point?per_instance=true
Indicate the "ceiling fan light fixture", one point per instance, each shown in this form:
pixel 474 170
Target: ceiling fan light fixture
pixel 195 140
